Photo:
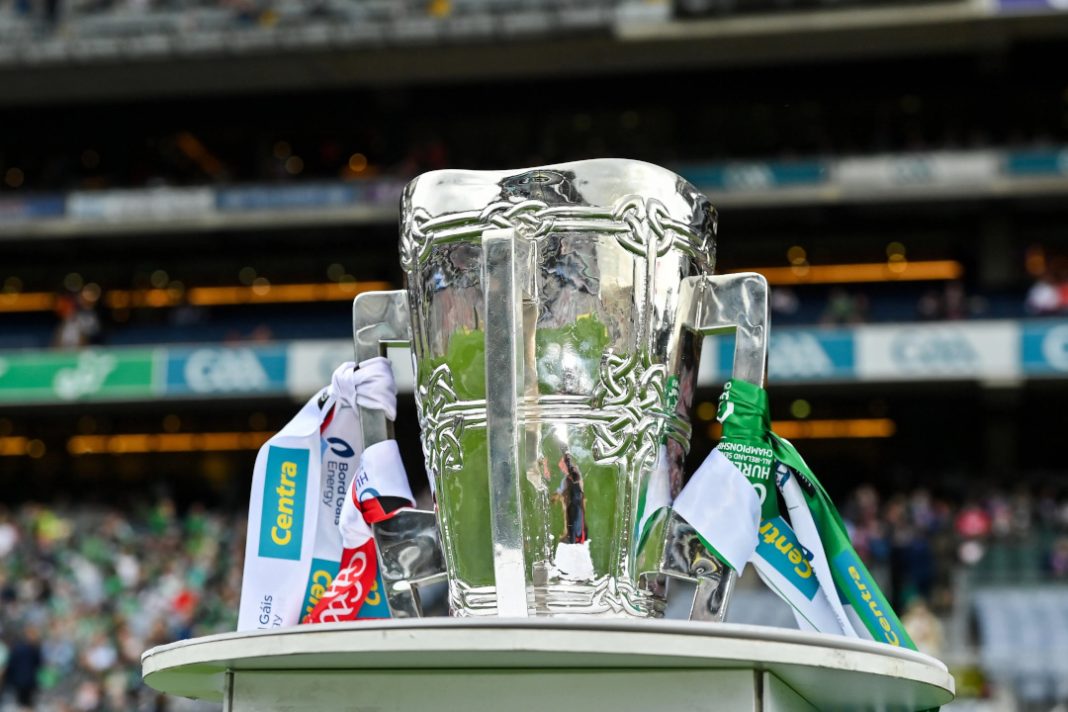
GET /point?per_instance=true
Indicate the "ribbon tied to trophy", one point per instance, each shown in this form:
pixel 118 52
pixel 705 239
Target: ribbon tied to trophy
pixel 316 492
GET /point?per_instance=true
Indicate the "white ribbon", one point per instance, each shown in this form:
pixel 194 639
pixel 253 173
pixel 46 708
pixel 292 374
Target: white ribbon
pixel 804 527
pixel 723 507
pixel 300 484
pixel 382 473
pixel 370 386
pixel 282 515
pixel 790 561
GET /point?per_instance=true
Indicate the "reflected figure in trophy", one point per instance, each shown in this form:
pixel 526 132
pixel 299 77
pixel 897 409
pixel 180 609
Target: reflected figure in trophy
pixel 572 498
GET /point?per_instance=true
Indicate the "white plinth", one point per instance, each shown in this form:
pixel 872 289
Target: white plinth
pixel 546 665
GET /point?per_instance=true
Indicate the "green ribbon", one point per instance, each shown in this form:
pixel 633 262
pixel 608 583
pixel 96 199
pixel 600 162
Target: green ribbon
pixel 744 412
pixel 744 440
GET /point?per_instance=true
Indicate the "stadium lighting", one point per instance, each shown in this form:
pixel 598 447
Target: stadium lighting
pixel 13 446
pixel 265 293
pixel 261 292
pixel 139 443
pixel 275 293
pixel 848 428
pixel 27 301
pixel 17 446
pixel 890 271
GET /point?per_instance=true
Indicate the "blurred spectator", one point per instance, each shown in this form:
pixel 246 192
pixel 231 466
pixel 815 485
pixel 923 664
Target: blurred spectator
pixel 972 522
pixel 1047 296
pixel 9 535
pixel 784 301
pixel 79 324
pixel 923 627
pixel 187 315
pixel 951 302
pixel 53 12
pixel 23 666
pixel 1058 559
pixel 955 302
pixel 911 567
pixel 929 307
pixel 261 334
pixel 844 308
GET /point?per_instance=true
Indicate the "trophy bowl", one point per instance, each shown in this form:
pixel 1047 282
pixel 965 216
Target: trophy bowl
pixel 555 317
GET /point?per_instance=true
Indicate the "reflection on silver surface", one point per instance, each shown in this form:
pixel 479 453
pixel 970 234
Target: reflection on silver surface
pixel 687 559
pixel 555 317
pixel 408 557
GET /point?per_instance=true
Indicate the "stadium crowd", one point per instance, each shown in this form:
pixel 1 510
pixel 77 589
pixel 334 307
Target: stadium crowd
pixel 84 590
pixel 913 540
pixel 112 18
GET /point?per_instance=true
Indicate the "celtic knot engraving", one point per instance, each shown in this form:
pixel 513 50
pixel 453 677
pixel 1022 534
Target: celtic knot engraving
pixel 613 594
pixel 641 225
pixel 636 393
pixel 631 410
pixel 641 216
pixel 438 431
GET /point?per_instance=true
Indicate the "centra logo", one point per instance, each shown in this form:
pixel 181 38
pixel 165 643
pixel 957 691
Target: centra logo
pixel 284 491
pixel 889 635
pixel 778 545
pixel 869 604
pixel 322 575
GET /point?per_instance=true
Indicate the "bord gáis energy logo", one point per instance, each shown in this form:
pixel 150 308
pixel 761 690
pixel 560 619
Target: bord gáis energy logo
pixel 282 520
pixel 340 448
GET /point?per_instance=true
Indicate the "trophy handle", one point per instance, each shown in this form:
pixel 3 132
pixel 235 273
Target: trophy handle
pixel 715 305
pixel 409 554
pixel 379 320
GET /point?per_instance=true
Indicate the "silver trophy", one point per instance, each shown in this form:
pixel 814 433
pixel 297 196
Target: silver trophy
pixel 555 317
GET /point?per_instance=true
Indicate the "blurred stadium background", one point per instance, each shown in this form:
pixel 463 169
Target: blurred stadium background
pixel 193 191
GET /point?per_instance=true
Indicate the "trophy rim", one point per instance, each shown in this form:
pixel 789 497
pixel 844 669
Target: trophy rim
pixel 586 195
pixel 630 175
pixel 496 175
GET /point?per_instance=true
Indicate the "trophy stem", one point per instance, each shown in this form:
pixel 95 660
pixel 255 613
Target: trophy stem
pixel 502 285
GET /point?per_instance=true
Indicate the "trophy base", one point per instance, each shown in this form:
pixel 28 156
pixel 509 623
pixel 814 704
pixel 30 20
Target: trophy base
pixel 606 598
pixel 541 664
